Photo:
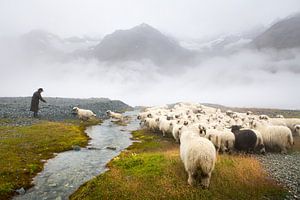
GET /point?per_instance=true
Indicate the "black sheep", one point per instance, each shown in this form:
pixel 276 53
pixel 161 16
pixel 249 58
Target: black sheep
pixel 245 140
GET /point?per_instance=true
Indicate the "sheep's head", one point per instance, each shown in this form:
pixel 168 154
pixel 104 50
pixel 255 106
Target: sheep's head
pixel 252 124
pixel 235 128
pixel 263 117
pixel 149 115
pixel 202 130
pixel 297 129
pixel 75 110
pixel 139 117
pixel 180 129
pixel 185 123
pixel 214 139
pixel 157 119
pixel 108 112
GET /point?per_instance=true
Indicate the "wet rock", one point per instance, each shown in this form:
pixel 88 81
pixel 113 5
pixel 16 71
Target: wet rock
pixel 52 185
pixel 92 148
pixel 76 148
pixel 111 148
pixel 21 191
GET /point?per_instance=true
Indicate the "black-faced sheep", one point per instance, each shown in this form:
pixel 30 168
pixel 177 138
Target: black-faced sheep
pixel 114 115
pixel 83 114
pixel 245 139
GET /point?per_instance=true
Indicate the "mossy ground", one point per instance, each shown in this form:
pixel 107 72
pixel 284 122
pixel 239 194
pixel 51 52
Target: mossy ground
pixel 152 169
pixel 23 148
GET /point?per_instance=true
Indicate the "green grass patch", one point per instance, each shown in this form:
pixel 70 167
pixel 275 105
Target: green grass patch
pixel 152 169
pixel 23 148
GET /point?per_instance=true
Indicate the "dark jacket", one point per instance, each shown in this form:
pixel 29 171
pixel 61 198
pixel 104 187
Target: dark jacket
pixel 35 100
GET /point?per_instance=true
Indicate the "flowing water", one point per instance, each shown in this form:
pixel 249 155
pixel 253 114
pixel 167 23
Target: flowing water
pixel 64 174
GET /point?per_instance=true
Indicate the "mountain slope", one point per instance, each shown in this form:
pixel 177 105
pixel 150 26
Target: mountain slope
pixel 281 35
pixel 141 42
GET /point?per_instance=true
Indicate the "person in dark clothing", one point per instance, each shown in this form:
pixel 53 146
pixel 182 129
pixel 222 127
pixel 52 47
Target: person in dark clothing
pixel 35 100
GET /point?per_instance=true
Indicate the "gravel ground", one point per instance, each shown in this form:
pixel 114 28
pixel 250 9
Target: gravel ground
pixel 285 169
pixel 15 110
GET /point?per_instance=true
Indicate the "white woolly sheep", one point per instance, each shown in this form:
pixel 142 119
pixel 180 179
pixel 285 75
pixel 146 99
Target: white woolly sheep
pixel 291 124
pixel 83 114
pixel 165 126
pixel 263 117
pixel 274 136
pixel 114 115
pixel 279 116
pixel 198 155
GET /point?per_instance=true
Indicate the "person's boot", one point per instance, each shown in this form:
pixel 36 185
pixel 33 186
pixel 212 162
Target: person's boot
pixel 35 115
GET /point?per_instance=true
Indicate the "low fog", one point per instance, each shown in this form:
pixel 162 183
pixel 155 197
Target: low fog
pixel 245 78
pixel 235 74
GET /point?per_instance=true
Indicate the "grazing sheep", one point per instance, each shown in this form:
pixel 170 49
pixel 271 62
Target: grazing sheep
pixel 274 136
pixel 114 115
pixel 214 137
pixel 249 112
pixel 279 116
pixel 296 131
pixel 165 126
pixel 175 132
pixel 245 139
pixel 263 117
pixel 83 114
pixel 291 124
pixel 227 141
pixel 260 142
pixel 198 155
pixel 151 124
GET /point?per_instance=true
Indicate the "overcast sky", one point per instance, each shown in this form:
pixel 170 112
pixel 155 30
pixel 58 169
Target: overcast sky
pixel 181 18
pixel 243 78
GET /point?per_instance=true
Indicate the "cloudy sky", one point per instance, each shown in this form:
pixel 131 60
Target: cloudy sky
pixel 189 18
pixel 246 78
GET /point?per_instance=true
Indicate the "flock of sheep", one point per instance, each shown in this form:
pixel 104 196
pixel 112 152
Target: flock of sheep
pixel 204 131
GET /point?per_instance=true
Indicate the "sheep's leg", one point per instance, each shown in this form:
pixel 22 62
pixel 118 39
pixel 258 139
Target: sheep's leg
pixel 205 180
pixel 164 134
pixel 191 179
pixel 283 150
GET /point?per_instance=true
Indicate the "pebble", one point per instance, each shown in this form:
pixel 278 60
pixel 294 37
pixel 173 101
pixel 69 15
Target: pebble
pixel 21 191
pixel 52 185
pixel 76 148
pixel 111 148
